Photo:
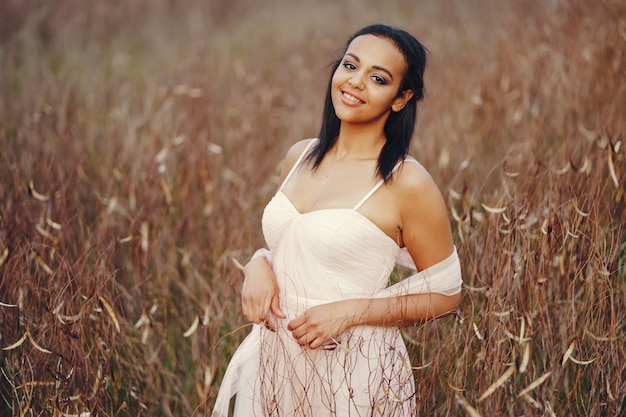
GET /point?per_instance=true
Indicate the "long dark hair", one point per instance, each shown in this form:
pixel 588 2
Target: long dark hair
pixel 400 125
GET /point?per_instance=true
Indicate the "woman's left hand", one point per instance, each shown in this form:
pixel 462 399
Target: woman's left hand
pixel 322 324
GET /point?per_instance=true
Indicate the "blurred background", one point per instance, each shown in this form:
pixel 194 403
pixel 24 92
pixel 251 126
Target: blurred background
pixel 140 141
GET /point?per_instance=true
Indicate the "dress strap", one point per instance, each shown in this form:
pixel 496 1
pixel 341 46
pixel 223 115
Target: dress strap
pixel 381 182
pixel 293 168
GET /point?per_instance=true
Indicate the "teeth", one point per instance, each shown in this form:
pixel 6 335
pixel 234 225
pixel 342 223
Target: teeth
pixel 351 98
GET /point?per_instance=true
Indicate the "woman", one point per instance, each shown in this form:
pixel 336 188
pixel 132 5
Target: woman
pixel 351 204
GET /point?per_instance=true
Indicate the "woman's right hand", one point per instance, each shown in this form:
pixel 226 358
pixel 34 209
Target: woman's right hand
pixel 259 294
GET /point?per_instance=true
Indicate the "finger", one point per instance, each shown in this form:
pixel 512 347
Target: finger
pixel 265 308
pixel 298 332
pixel 323 343
pixel 315 343
pixel 251 311
pixel 275 307
pixel 270 322
pixel 262 310
pixel 320 342
pixel 304 340
pixel 254 312
pixel 330 345
pixel 297 322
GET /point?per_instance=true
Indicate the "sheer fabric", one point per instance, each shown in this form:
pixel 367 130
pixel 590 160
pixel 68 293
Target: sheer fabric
pixel 320 257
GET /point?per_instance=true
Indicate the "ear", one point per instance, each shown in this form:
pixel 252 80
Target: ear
pixel 401 100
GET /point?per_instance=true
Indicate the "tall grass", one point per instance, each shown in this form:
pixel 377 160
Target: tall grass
pixel 139 142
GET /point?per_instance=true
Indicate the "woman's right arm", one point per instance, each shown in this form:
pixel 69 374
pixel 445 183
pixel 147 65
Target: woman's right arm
pixel 260 293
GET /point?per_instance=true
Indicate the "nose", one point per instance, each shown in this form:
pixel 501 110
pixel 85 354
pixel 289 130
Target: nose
pixel 356 81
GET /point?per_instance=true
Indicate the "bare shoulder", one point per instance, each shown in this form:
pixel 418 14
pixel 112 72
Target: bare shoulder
pixel 425 224
pixel 292 156
pixel 415 186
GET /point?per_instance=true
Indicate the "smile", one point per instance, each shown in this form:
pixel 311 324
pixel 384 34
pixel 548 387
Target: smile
pixel 351 98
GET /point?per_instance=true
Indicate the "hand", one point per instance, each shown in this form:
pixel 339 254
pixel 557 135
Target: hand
pixel 319 326
pixel 259 294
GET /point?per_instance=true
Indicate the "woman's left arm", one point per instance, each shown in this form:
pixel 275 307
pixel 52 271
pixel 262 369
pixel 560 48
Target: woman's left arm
pixel 427 236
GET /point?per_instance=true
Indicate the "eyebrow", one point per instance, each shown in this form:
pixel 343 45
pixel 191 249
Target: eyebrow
pixel 377 67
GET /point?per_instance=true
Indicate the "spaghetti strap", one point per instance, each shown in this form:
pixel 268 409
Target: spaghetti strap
pixel 293 168
pixel 376 187
pixel 368 195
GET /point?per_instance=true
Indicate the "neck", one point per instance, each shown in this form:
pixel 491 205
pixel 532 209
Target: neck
pixel 359 142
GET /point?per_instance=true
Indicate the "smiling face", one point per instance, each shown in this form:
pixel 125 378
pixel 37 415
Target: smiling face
pixel 365 85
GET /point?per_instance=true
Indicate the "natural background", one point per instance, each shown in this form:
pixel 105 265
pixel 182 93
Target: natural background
pixel 140 141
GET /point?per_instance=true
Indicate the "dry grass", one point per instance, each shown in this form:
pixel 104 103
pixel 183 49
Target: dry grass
pixel 139 143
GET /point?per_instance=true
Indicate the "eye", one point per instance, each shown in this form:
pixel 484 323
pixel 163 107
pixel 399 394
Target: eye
pixel 349 65
pixel 379 80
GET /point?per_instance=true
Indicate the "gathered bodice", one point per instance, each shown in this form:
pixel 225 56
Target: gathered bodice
pixel 334 253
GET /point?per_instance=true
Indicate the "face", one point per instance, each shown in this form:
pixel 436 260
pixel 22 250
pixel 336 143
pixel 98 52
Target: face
pixel 365 86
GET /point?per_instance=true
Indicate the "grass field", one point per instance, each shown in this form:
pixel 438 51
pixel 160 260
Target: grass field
pixel 140 141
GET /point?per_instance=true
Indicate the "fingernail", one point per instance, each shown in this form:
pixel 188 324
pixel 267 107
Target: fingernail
pixel 329 346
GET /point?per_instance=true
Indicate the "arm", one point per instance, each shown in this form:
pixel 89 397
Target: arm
pixel 259 294
pixel 427 236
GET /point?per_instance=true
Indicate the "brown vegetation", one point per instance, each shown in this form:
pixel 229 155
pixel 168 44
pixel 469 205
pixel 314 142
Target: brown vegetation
pixel 139 142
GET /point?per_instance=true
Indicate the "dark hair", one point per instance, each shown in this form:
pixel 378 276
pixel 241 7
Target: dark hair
pixel 400 125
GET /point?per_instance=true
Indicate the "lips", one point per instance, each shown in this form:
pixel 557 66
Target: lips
pixel 351 98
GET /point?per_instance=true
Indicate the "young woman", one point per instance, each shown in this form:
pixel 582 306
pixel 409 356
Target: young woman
pixel 350 205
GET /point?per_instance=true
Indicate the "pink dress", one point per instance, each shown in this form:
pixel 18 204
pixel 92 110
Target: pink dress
pixel 320 257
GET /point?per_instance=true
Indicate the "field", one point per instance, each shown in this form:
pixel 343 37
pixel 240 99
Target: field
pixel 140 141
